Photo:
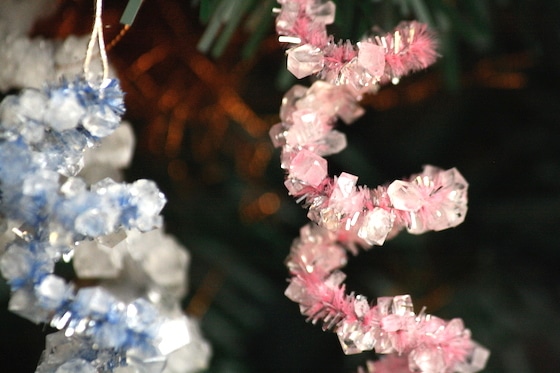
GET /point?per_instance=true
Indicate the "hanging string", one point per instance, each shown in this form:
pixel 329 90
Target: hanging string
pixel 97 36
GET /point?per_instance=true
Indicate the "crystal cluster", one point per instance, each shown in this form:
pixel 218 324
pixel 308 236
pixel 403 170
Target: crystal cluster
pixel 346 216
pixel 130 321
pixel 362 67
pixel 434 199
pixel 425 342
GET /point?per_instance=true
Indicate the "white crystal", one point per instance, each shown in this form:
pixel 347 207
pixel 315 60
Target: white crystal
pixel 63 111
pixel 73 186
pixel 150 201
pixel 101 121
pixel 52 291
pixel 94 260
pixel 16 262
pixel 333 143
pixel 166 266
pixel 24 303
pixel 426 360
pixel 404 195
pixel 475 361
pixel 173 334
pixel 32 104
pixel 346 183
pixel 348 333
pixel 76 366
pixel 113 154
pixel 402 305
pixel 376 226
pixel 193 357
pixel 145 361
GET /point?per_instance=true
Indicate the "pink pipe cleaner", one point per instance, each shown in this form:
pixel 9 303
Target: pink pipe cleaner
pixel 346 216
pixel 363 67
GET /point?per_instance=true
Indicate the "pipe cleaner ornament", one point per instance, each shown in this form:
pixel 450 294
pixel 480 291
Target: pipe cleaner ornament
pixel 345 216
pixel 131 320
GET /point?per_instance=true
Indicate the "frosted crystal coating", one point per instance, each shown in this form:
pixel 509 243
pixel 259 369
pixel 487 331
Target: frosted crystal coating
pixel 304 60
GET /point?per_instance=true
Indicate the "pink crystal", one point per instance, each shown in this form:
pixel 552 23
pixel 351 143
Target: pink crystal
pixel 297 292
pixel 392 363
pixel 332 100
pixel 287 18
pixel 444 200
pixel 309 168
pixel 372 57
pixel 289 102
pixel 276 134
pixel 345 197
pixel 356 79
pixel 308 127
pixel 426 360
pixel 322 257
pixel 304 60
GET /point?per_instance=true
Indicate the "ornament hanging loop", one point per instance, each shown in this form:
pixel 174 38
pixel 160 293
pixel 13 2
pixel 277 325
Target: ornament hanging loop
pixel 97 37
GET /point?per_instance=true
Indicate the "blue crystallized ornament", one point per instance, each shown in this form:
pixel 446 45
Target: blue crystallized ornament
pixel 131 321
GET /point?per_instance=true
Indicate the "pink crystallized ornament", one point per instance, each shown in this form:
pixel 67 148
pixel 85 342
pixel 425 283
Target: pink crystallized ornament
pixel 346 216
